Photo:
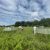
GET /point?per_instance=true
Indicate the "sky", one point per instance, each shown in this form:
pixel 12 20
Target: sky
pixel 23 10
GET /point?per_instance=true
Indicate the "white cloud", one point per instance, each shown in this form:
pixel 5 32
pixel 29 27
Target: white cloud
pixel 4 23
pixel 34 14
pixel 8 5
pixel 19 10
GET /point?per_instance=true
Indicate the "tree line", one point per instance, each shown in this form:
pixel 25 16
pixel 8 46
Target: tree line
pixel 43 22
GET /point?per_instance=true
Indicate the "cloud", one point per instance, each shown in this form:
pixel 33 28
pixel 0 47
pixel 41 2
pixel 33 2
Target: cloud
pixel 23 10
pixel 4 23
pixel 8 6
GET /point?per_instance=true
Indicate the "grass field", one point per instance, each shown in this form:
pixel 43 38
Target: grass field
pixel 23 40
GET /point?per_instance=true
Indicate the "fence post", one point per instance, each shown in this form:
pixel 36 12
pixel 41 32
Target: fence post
pixel 34 28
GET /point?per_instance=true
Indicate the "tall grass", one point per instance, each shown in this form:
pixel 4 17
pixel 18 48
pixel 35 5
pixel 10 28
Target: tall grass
pixel 23 40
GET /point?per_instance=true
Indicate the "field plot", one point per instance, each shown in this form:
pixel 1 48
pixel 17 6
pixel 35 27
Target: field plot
pixel 23 40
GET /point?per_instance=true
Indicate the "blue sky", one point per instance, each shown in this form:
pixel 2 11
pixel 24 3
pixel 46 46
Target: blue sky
pixel 23 10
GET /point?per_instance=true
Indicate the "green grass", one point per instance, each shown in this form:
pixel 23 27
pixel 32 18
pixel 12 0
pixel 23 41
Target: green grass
pixel 23 40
